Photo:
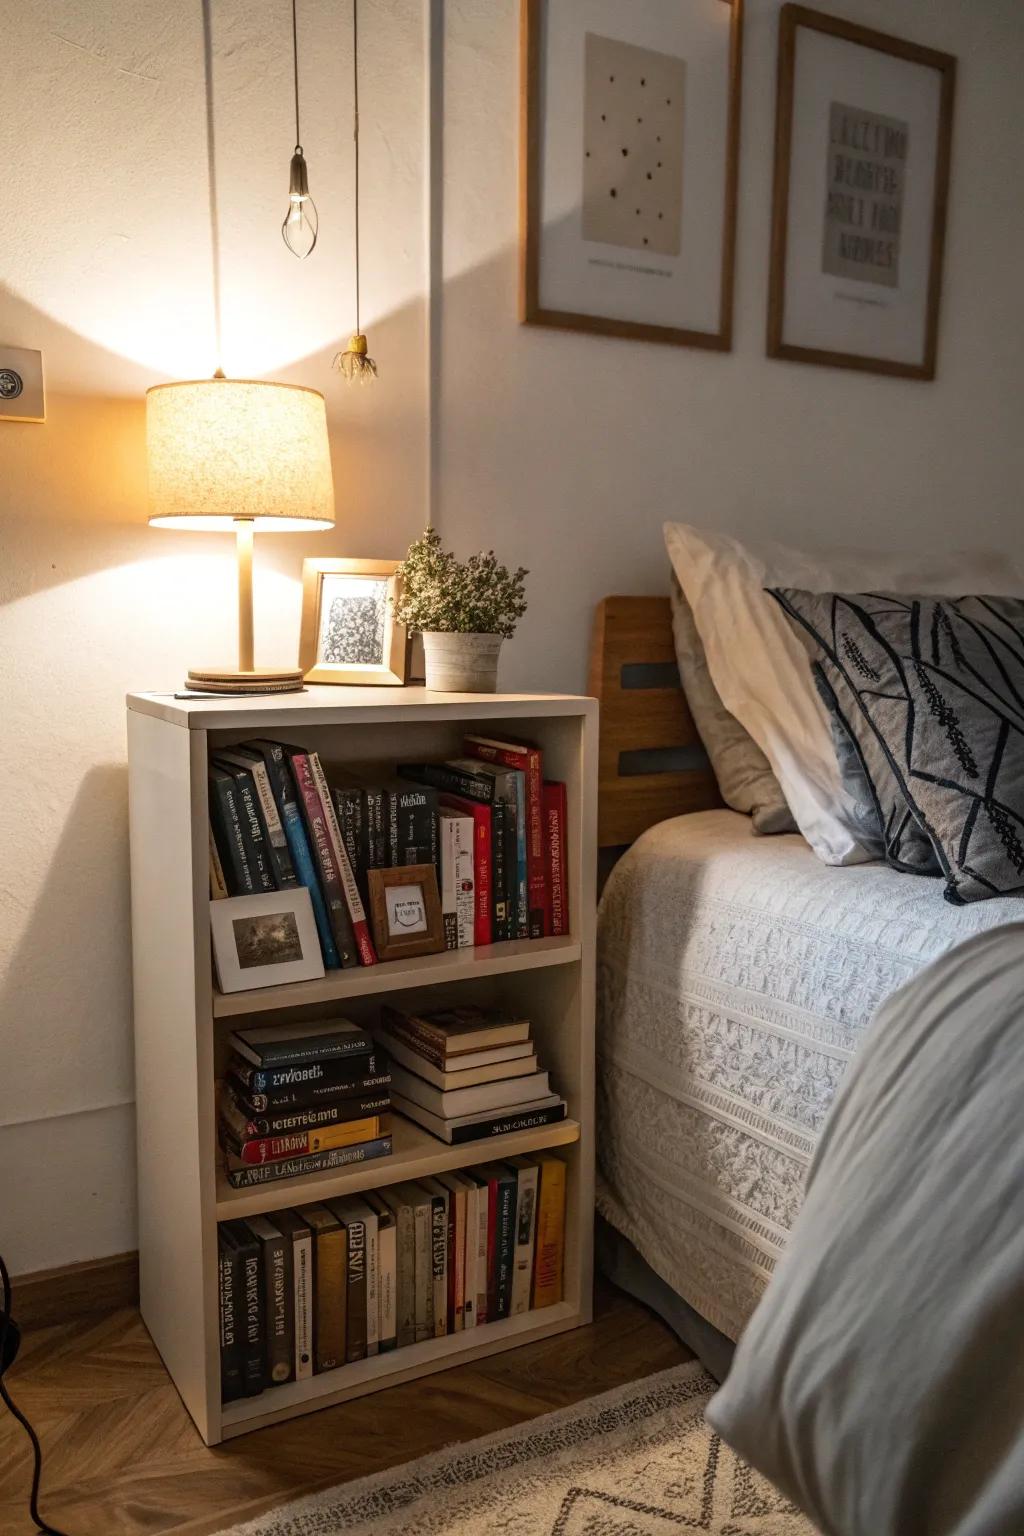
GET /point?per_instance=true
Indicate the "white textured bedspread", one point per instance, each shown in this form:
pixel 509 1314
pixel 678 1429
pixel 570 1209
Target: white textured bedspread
pixel 736 977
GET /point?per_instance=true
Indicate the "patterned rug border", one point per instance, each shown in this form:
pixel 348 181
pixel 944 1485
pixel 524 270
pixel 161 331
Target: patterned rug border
pixel 346 1503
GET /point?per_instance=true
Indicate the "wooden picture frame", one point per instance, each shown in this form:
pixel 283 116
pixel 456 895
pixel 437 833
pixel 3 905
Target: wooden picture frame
pixel 783 333
pixel 376 651
pixel 265 940
pixel 717 335
pixel 387 887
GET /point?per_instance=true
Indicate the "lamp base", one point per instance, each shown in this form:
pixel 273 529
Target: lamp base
pixel 213 680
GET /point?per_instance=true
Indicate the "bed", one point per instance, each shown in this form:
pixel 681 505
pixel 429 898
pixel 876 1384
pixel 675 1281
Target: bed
pixel 737 976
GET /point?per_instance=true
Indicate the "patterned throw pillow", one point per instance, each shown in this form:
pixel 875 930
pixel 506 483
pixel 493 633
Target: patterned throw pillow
pixel 938 685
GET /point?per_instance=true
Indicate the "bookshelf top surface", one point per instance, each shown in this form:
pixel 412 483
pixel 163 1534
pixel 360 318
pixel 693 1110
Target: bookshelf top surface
pixel 321 704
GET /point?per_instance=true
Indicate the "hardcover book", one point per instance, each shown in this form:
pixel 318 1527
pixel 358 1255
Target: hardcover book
pixel 396 1198
pixel 276 844
pixel 482 871
pixel 411 811
pixel 458 1187
pixel 248 1301
pixel 527 1173
pixel 352 1215
pixel 226 825
pixel 502 1122
pixel 299 1075
pixel 549 1245
pixel 246 1175
pixel 510 789
pixel 232 1385
pixel 315 818
pixel 278 1316
pixel 350 804
pixel 516 754
pixel 247 1124
pixel 505 1241
pixel 330 1284
pixel 438 1253
pixel 466 1076
pixel 283 785
pixel 387 1272
pixel 457 882
pixel 442 1033
pixel 452 1103
pixel 256 848
pixel 350 890
pixel 557 861
pixel 297 1232
pixel 347 1079
pixel 282 1044
pixel 326 1138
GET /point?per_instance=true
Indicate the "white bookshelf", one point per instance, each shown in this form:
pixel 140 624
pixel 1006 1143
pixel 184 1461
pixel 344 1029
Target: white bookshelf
pixel 182 1023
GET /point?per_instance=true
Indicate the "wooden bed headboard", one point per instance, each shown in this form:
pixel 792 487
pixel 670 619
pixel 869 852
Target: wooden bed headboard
pixel 651 762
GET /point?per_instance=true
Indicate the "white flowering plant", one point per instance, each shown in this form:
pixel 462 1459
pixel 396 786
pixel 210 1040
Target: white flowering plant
pixel 439 594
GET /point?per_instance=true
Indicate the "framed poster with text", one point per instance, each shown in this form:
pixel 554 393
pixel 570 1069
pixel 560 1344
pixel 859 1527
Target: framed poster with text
pixel 863 131
pixel 628 189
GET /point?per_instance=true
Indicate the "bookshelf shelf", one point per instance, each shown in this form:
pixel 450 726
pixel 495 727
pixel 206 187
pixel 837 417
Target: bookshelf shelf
pixel 416 1153
pixel 395 975
pixel 399 1365
pixel 182 1021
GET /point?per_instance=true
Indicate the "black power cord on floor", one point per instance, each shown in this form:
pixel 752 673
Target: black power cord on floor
pixel 8 1350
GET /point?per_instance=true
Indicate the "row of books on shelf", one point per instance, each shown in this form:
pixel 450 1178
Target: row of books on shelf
pixel 490 825
pixel 302 1098
pixel 310 1290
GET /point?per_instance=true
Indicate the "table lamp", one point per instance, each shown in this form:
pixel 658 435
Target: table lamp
pixel 226 454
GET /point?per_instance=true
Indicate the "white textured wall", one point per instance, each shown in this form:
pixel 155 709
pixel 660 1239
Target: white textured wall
pixel 105 264
pixel 564 451
pixel 570 450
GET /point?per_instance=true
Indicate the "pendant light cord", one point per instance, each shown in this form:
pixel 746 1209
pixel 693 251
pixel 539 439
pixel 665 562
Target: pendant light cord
pixel 355 136
pixel 295 74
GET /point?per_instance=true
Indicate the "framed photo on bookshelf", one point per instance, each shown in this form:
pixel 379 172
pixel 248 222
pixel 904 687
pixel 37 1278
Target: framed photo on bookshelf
pixel 863 131
pixel 349 632
pixel 628 190
pixel 265 940
pixel 405 911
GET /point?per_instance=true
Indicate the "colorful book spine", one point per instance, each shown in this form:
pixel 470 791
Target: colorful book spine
pixel 278 1324
pixel 257 850
pixel 301 1088
pixel 482 864
pixel 350 807
pixel 326 1138
pixel 505 1241
pixel 455 838
pixel 528 759
pixel 323 855
pixel 526 1216
pixel 246 1176
pixel 275 844
pixel 330 1283
pixel 297 1074
pixel 549 1246
pixel 353 900
pixel 555 817
pixel 246 1124
pixel 500 876
pixel 297 1234
pixel 283 785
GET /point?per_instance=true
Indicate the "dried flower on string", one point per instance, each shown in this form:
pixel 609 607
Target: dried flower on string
pixel 355 362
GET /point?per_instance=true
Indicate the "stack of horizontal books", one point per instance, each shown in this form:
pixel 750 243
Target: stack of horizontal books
pixel 308 1290
pixel 301 1098
pixel 467 1073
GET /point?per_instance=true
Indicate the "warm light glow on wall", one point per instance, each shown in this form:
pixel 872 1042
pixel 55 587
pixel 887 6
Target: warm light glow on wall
pixel 223 449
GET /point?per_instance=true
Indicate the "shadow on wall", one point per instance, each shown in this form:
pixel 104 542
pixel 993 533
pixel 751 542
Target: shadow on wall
pixel 65 1003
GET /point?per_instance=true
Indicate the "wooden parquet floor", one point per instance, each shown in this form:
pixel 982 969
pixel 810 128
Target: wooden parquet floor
pixel 122 1457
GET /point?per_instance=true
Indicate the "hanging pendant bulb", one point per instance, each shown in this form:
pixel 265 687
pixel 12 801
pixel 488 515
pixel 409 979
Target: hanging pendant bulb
pixel 300 222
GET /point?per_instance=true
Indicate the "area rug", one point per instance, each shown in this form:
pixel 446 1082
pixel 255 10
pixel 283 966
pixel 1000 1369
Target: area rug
pixel 638 1461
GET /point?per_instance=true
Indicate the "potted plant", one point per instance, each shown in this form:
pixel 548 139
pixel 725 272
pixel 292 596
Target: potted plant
pixel 463 609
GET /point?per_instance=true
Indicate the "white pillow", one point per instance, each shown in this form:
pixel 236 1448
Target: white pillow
pixel 761 670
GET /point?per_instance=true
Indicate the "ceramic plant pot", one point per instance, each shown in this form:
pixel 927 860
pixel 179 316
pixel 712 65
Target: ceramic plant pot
pixel 462 663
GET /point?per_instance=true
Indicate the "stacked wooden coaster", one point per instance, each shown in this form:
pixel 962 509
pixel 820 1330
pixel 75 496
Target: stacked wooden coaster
pixel 208 680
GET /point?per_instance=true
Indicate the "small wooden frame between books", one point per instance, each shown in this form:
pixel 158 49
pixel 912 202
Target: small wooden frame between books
pixel 391 942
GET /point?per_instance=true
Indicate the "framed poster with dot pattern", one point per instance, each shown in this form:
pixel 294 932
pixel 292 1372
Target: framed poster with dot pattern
pixel 628 184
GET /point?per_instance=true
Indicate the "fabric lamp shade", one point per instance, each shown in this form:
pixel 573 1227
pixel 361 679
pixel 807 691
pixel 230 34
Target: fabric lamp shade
pixel 221 450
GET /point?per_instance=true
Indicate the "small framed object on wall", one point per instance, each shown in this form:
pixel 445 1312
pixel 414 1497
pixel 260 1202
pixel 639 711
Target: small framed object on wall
pixel 349 631
pixel 863 132
pixel 628 189
pixel 265 940
pixel 405 911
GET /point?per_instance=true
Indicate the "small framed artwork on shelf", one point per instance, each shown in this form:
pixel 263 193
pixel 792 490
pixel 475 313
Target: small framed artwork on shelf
pixel 349 633
pixel 265 940
pixel 405 911
pixel 863 130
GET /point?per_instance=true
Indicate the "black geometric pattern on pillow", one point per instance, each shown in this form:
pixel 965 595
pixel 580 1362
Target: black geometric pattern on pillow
pixel 939 687
pixel 884 824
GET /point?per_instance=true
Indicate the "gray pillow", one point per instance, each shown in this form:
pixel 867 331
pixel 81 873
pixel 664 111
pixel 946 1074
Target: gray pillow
pixel 937 691
pixel 744 774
